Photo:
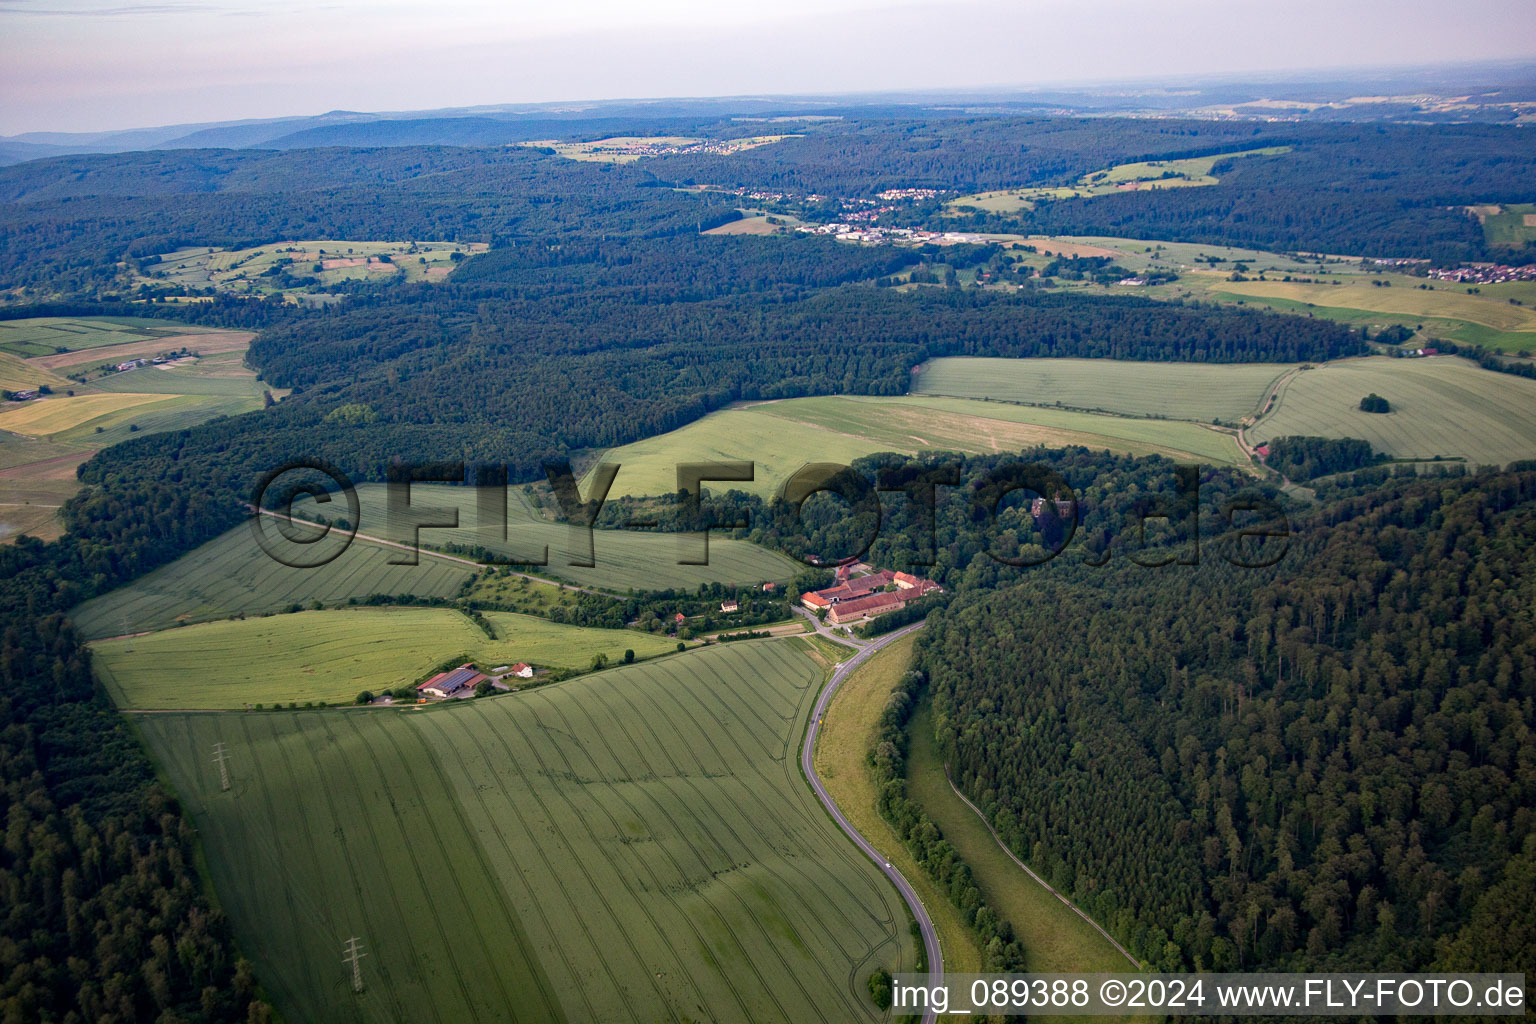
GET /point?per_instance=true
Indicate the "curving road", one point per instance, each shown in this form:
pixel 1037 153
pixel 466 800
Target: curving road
pixel 808 765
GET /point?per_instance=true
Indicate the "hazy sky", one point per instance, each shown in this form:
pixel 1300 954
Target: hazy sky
pixel 81 65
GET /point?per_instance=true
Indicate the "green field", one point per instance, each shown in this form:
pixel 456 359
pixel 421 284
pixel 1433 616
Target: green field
pixel 1337 288
pixel 251 270
pixel 1446 301
pixel 780 437
pixel 1161 254
pixel 624 149
pixel 1440 406
pixel 231 575
pixel 1152 174
pixel 1199 392
pixel 16 374
pixel 221 374
pixel 1514 224
pixel 634 845
pixel 43 336
pixel 332 655
pixel 624 558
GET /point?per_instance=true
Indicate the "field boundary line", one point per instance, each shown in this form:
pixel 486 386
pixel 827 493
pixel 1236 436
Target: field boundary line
pixel 1046 885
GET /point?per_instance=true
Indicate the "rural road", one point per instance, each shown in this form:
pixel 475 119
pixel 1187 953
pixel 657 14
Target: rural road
pixel 808 765
pixel 827 631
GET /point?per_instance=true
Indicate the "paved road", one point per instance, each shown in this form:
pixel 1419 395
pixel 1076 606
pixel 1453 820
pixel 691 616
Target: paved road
pixel 808 764
pixel 835 635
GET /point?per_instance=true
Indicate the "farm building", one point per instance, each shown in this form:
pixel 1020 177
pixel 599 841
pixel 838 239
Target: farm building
pixel 857 597
pixel 453 683
pixel 23 396
pixel 730 606
pixel 865 607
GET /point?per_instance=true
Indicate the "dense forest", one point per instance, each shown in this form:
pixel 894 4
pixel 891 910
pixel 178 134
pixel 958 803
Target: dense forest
pixel 104 919
pixel 1386 190
pixel 519 369
pixel 964 154
pixel 1305 458
pixel 1332 757
pixel 1380 190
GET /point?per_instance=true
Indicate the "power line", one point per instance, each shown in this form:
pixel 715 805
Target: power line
pixel 354 951
pixel 221 758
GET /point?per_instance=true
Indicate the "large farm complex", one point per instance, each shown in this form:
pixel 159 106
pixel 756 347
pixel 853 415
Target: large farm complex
pixel 864 593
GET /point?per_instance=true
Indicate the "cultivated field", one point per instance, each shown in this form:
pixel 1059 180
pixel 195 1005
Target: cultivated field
pixel 635 845
pixel 1447 301
pixel 1153 174
pixel 17 374
pixel 624 149
pixel 1199 392
pixel 780 437
pixel 624 558
pixel 88 360
pixel 257 270
pixel 46 336
pixel 1338 288
pixel 56 414
pixel 110 408
pixel 745 226
pixel 1511 225
pixel 31 493
pixel 1440 406
pixel 332 655
pixel 231 575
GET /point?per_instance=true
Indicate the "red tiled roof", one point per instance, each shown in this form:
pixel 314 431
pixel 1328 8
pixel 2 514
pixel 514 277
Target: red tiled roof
pixel 871 605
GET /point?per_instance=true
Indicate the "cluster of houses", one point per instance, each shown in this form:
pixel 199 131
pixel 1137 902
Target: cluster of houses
pixel 847 231
pixel 461 682
pixel 134 364
pixel 861 592
pixel 1485 273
